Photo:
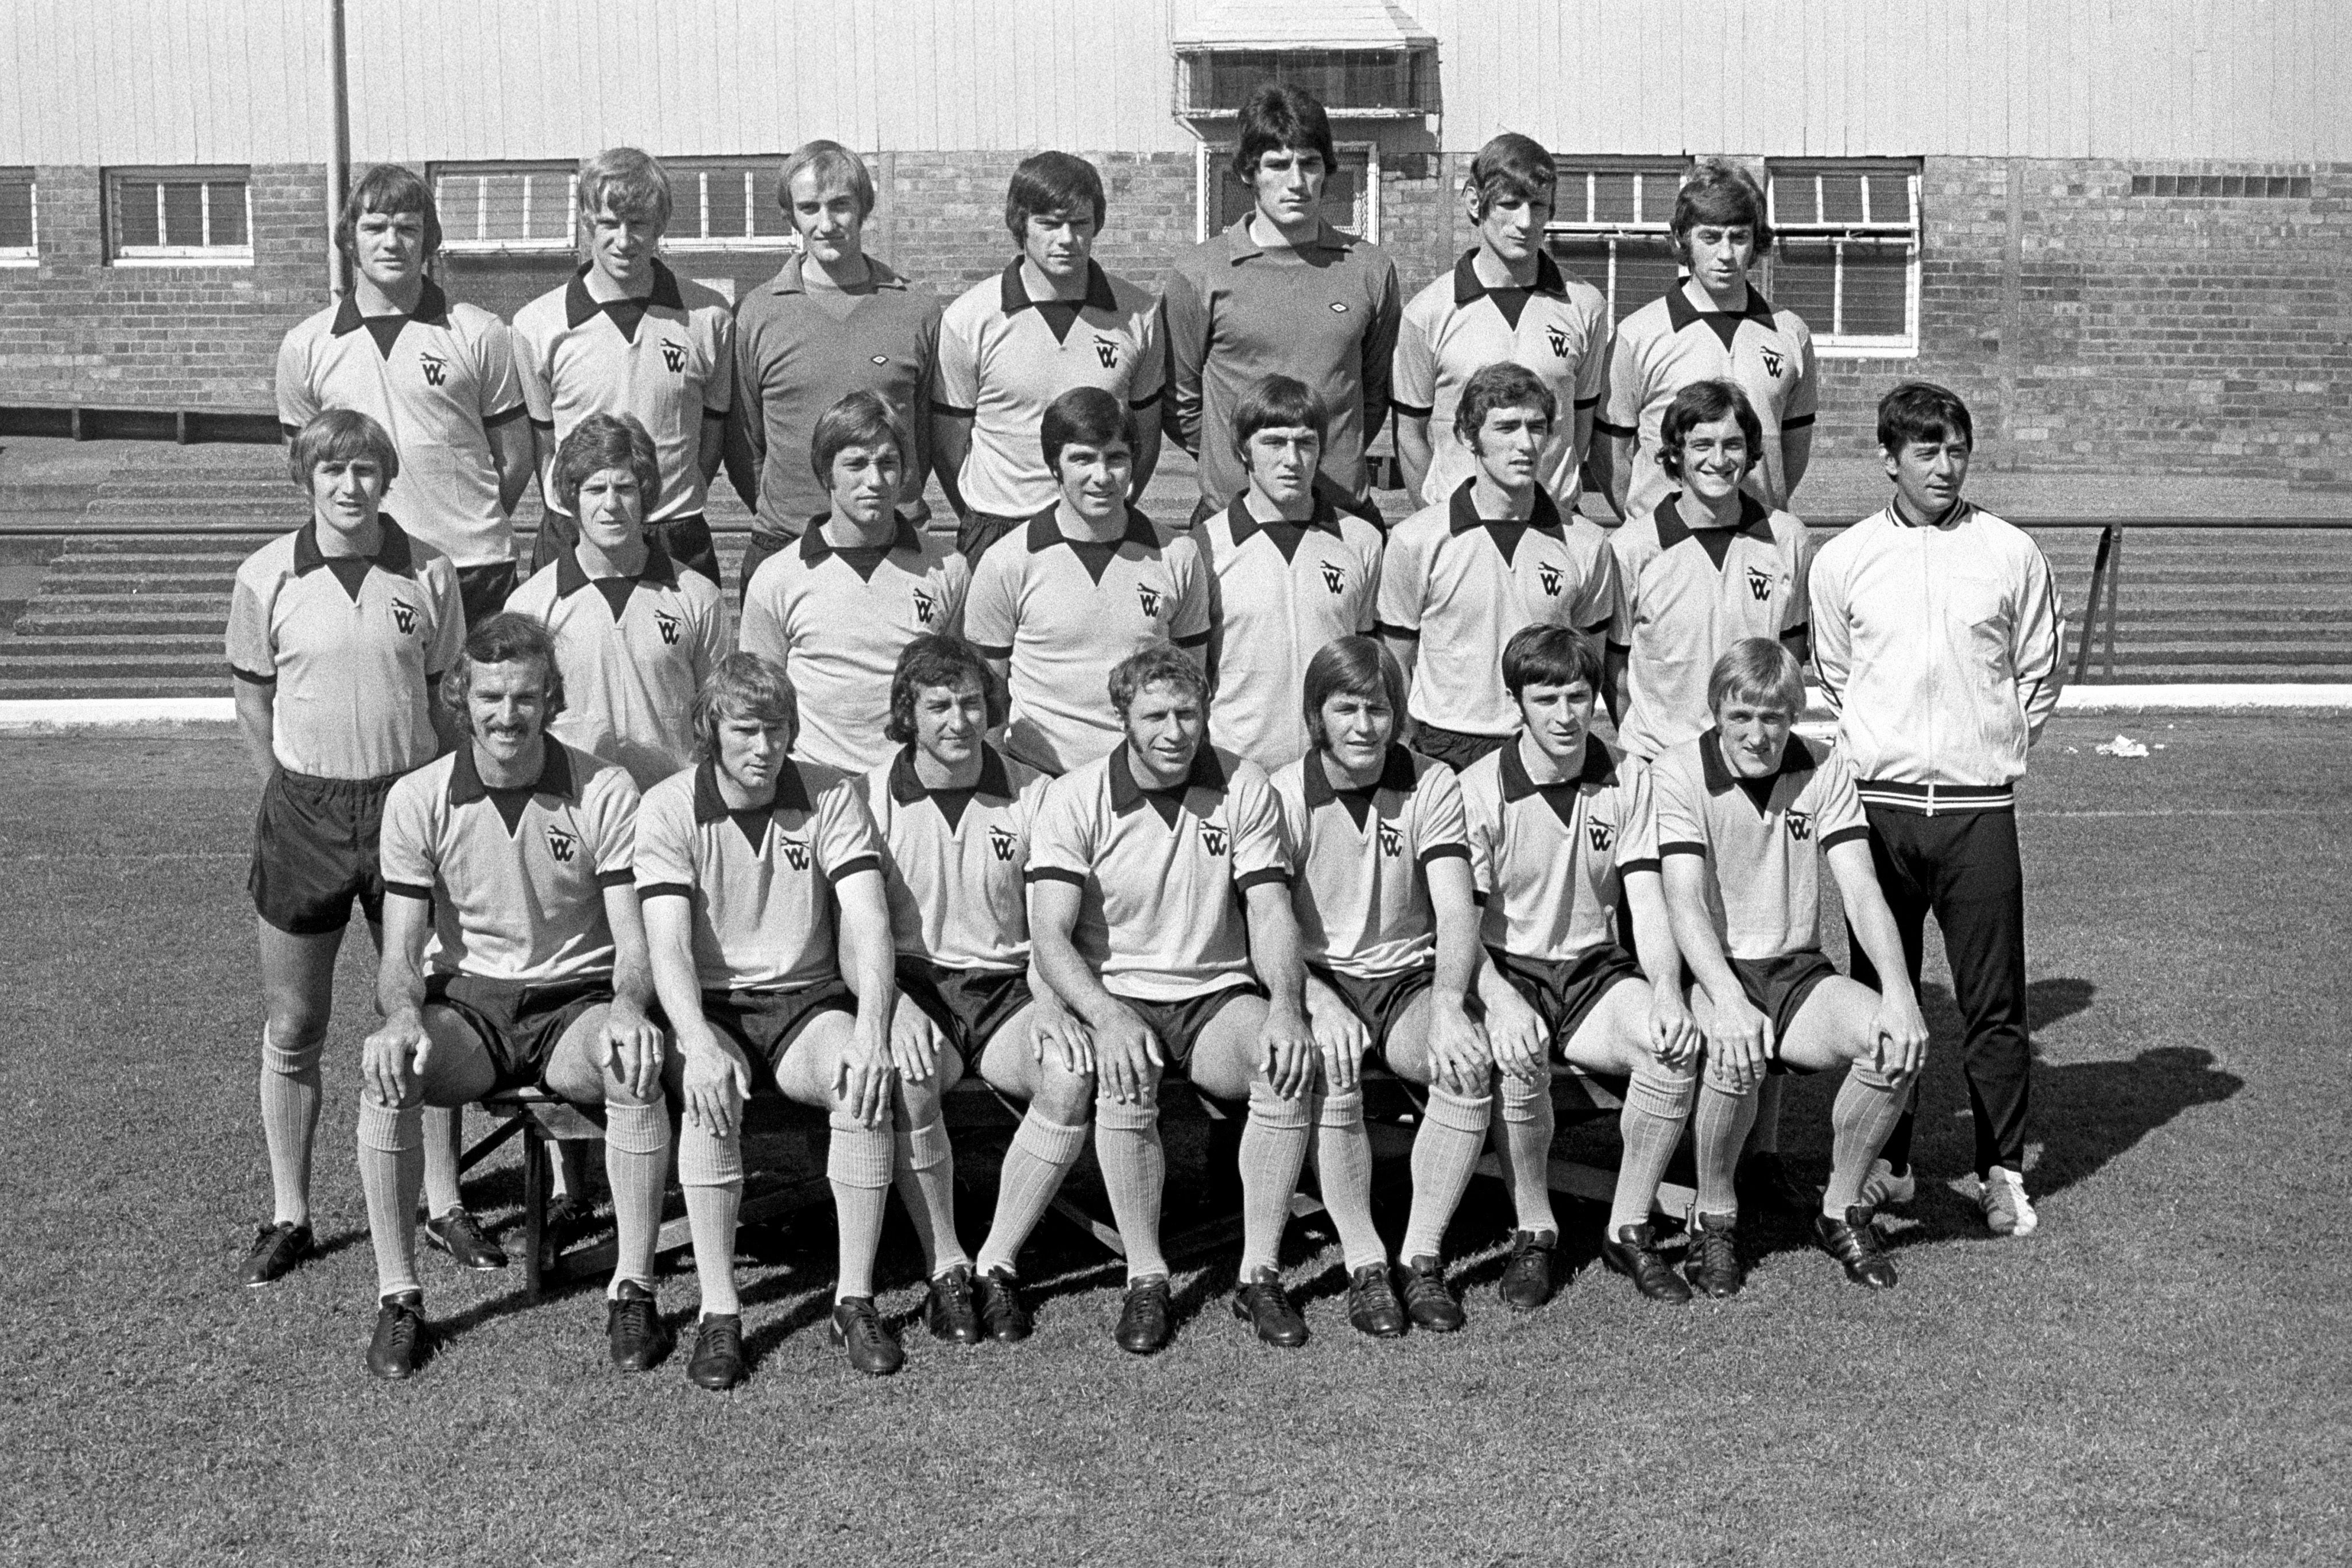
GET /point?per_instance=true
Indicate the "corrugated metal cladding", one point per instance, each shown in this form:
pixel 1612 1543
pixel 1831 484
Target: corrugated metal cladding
pixel 190 81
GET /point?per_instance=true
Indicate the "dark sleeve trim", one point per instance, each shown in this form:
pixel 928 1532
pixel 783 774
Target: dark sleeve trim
pixel 714 414
pixel 1802 628
pixel 1446 852
pixel 852 866
pixel 1605 428
pixel 1683 847
pixel 1595 630
pixel 1386 630
pixel 538 424
pixel 623 878
pixel 1616 647
pixel 1479 898
pixel 1800 422
pixel 952 412
pixel 1139 405
pixel 492 422
pixel 1261 878
pixel 990 651
pixel 1647 862
pixel 1411 411
pixel 1584 402
pixel 666 890
pixel 252 679
pixel 409 890
pixel 1844 836
pixel 291 430
pixel 1198 640
pixel 1054 874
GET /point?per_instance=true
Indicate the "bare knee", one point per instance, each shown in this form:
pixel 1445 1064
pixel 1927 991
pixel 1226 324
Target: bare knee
pixel 1062 1096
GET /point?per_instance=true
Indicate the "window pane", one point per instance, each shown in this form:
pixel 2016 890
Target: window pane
pixel 229 211
pixel 1804 279
pixel 134 213
pixel 504 211
pixel 1877 288
pixel 727 202
pixel 767 216
pixel 1841 197
pixel 1343 196
pixel 16 211
pixel 1613 197
pixel 184 212
pixel 1645 271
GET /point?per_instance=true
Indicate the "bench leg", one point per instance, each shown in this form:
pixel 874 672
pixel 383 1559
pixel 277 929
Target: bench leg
pixel 534 1210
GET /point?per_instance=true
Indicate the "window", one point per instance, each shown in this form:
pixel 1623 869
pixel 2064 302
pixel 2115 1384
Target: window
pixel 1610 226
pixel 2273 187
pixel 1362 83
pixel 1847 254
pixel 20 214
pixel 1350 195
pixel 179 217
pixel 715 204
pixel 727 203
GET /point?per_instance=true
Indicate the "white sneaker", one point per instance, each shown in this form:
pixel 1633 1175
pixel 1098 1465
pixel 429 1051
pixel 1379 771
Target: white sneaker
pixel 2007 1210
pixel 1883 1186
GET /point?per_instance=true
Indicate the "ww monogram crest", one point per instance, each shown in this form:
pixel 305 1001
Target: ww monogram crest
pixel 1333 578
pixel 1150 597
pixel 669 624
pixel 1392 841
pixel 1601 835
pixel 435 368
pixel 1212 838
pixel 673 355
pixel 1549 576
pixel 1001 841
pixel 1559 340
pixel 1771 362
pixel 562 845
pixel 924 606
pixel 1106 351
pixel 796 852
pixel 1800 826
pixel 1760 584
pixel 404 615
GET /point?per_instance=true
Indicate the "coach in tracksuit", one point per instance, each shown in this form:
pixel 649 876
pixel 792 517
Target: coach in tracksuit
pixel 1935 635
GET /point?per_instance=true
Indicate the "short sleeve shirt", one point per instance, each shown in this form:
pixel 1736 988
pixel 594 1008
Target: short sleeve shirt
pixel 438 380
pixel 1549 860
pixel 1464 585
pixel 762 880
pixel 1158 871
pixel 352 645
pixel 1281 591
pixel 1064 612
pixel 953 860
pixel 836 620
pixel 517 877
pixel 634 651
pixel 1684 596
pixel 1457 326
pixel 1004 356
pixel 668 358
pixel 1363 856
pixel 1669 343
pixel 1761 838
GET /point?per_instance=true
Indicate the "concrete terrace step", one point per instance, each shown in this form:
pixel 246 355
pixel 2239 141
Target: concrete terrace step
pixel 38 622
pixel 64 689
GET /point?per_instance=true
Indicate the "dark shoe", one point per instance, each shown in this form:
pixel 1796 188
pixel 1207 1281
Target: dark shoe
pixel 275 1250
pixel 1144 1326
pixel 1765 1184
pixel 399 1336
pixel 1003 1315
pixel 858 1328
pixel 718 1363
pixel 949 1314
pixel 633 1330
pixel 1527 1278
pixel 458 1235
pixel 1853 1242
pixel 1372 1304
pixel 1634 1252
pixel 1712 1264
pixel 1268 1306
pixel 1427 1301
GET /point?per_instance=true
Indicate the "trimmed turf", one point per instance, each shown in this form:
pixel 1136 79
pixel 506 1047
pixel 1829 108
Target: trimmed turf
pixel 2159 1376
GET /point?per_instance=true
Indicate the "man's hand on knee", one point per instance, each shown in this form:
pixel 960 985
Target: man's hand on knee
pixel 633 1050
pixel 392 1060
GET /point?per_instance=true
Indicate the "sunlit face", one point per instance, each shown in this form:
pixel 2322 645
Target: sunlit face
pixel 827 219
pixel 611 509
pixel 1720 254
pixel 1715 459
pixel 506 707
pixel 1094 479
pixel 1928 474
pixel 346 493
pixel 622 248
pixel 1357 728
pixel 1513 226
pixel 1288 182
pixel 388 248
pixel 950 722
pixel 864 482
pixel 752 751
pixel 1282 460
pixel 1754 732
pixel 1163 730
pixel 1510 445
pixel 1558 718
pixel 1059 245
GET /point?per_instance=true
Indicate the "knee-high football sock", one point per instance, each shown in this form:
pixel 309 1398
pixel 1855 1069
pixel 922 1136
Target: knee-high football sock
pixel 1719 1127
pixel 392 1169
pixel 1343 1167
pixel 858 1163
pixel 926 1182
pixel 710 1169
pixel 1444 1154
pixel 289 1121
pixel 1523 1133
pixel 1040 1157
pixel 1274 1150
pixel 1657 1103
pixel 637 1164
pixel 1135 1173
pixel 1862 1117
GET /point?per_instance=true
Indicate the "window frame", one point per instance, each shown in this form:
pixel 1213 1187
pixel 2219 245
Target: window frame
pixel 1194 62
pixel 29 255
pixel 1829 342
pixel 455 242
pixel 1615 232
pixel 202 254
pixel 694 175
pixel 1209 167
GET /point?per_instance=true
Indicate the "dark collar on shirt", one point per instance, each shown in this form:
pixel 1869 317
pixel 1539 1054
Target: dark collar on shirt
pixel 1599 768
pixel 1246 526
pixel 1127 794
pixel 815 547
pixel 1241 245
pixel 1681 312
pixel 555 775
pixel 710 806
pixel 658 570
pixel 1043 533
pixel 1463 513
pixel 1797 758
pixel 907 785
pixel 1014 294
pixel 1469 287
pixel 1755 521
pixel 579 304
pixel 432 309
pixel 391 551
pixel 1396 775
pixel 787 278
pixel 1901 517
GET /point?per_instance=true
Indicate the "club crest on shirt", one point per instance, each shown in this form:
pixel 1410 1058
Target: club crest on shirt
pixel 1212 838
pixel 562 845
pixel 673 355
pixel 1150 597
pixel 1559 340
pixel 435 368
pixel 1392 841
pixel 1800 826
pixel 669 624
pixel 796 852
pixel 1549 575
pixel 925 606
pixel 404 615
pixel 1760 583
pixel 1771 362
pixel 1334 578
pixel 1600 834
pixel 1001 841
pixel 1106 351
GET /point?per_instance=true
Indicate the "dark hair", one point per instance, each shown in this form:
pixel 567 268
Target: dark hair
pixel 507 637
pixel 390 188
pixel 338 435
pixel 1505 385
pixel 1510 166
pixel 627 182
pixel 1278 115
pixel 1052 182
pixel 1719 191
pixel 858 419
pixel 1756 667
pixel 1704 402
pixel 742 686
pixel 1548 657
pixel 1084 416
pixel 833 165
pixel 1922 411
pixel 935 659
pixel 1279 402
pixel 1159 664
pixel 1353 666
pixel 603 441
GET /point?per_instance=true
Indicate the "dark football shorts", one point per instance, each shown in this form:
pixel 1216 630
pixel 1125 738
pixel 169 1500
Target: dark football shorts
pixel 519 1023
pixel 1453 748
pixel 686 540
pixel 483 589
pixel 978 530
pixel 1778 988
pixel 1565 991
pixel 314 850
pixel 1378 1003
pixel 1179 1023
pixel 968 1005
pixel 766 1022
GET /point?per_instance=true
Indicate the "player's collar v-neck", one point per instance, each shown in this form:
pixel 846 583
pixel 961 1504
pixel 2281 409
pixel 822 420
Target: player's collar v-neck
pixel 1044 531
pixel 1796 760
pixel 1396 777
pixel 432 311
pixel 907 785
pixel 710 806
pixel 1284 534
pixel 1059 315
pixel 1599 768
pixel 1755 521
pixel 393 554
pixel 1127 792
pixel 659 572
pixel 556 776
pixel 1462 518
pixel 579 304
pixel 863 559
pixel 1725 324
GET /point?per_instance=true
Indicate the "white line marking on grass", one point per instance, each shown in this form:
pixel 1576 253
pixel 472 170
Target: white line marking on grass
pixel 45 716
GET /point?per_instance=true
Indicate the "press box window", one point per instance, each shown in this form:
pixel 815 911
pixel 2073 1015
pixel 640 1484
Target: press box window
pixel 1610 225
pixel 1846 257
pixel 179 217
pixel 20 218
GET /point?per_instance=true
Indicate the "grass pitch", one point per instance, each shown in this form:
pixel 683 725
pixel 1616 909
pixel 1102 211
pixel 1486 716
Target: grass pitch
pixel 2159 1376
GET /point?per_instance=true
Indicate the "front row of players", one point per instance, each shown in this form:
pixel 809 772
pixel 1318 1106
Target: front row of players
pixel 857 943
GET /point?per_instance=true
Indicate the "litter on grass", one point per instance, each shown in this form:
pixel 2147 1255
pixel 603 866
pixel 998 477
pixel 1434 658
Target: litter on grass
pixel 2121 745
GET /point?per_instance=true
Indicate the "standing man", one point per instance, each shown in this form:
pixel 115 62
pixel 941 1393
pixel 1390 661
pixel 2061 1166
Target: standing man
pixel 628 336
pixel 1936 629
pixel 1052 320
pixel 1712 326
pixel 438 378
pixel 338 635
pixel 833 320
pixel 1281 292
pixel 1505 299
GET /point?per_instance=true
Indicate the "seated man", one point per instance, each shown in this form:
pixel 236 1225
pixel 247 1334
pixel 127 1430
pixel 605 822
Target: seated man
pixel 1746 814
pixel 512 854
pixel 634 653
pixel 754 869
pixel 1391 935
pixel 1160 911
pixel 954 815
pixel 1560 839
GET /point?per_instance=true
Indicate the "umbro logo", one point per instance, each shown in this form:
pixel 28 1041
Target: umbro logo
pixel 1334 578
pixel 925 606
pixel 669 624
pixel 1771 362
pixel 1392 841
pixel 1150 597
pixel 1760 584
pixel 404 615
pixel 435 368
pixel 1212 838
pixel 562 845
pixel 1559 340
pixel 1800 826
pixel 881 359
pixel 1106 351
pixel 796 852
pixel 1549 576
pixel 1338 307
pixel 1001 841
pixel 673 355
pixel 1601 835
